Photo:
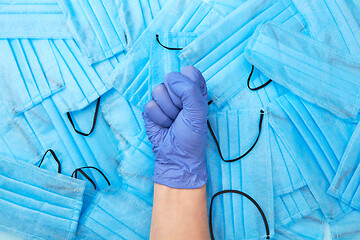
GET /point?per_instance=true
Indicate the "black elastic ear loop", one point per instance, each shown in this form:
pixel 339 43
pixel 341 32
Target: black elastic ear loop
pixel 94 120
pixel 74 174
pixel 256 88
pixel 248 151
pixel 169 48
pixel 242 194
pixel 54 156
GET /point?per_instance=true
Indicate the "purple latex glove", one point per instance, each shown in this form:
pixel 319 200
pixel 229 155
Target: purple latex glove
pixel 175 122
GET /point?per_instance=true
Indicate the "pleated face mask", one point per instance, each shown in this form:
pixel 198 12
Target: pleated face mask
pixel 96 27
pixel 136 163
pixel 163 57
pixel 288 177
pixel 238 159
pixel 92 188
pixel 29 71
pixel 347 227
pixel 218 53
pixel 338 25
pixel 35 19
pixel 308 68
pixel 84 83
pixel 309 134
pixel 54 130
pixel 224 7
pixel 131 78
pixel 136 16
pixel 36 203
pixel 310 227
pixel 345 185
pixel 291 207
pixel 115 214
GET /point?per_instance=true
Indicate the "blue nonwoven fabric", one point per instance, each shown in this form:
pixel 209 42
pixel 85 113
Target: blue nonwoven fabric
pixel 218 53
pixel 345 185
pixel 36 203
pixel 38 19
pixel 29 73
pixel 136 163
pixel 136 16
pixel 84 83
pixel 96 27
pixel 235 217
pixel 310 227
pixel 115 214
pixel 338 26
pixel 308 68
pixel 291 207
pixel 18 140
pixel 347 227
pixel 53 131
pixel 315 144
pixel 224 7
pixel 288 176
pixel 162 60
pixel 131 76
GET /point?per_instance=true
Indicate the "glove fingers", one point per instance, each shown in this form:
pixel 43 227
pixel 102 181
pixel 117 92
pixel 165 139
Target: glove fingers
pixel 195 75
pixel 189 92
pixel 163 100
pixel 154 112
pixel 155 132
pixel 174 98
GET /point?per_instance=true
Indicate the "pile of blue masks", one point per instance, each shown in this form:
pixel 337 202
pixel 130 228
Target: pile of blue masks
pixel 283 123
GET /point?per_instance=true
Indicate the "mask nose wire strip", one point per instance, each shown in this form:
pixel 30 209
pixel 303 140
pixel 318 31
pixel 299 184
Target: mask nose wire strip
pixel 169 48
pixel 94 120
pixel 248 151
pixel 54 156
pixel 74 174
pixel 242 194
pixel 259 87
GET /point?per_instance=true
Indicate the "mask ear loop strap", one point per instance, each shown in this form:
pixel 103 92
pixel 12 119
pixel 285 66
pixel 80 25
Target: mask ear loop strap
pixel 74 174
pixel 54 156
pixel 259 87
pixel 94 120
pixel 248 151
pixel 169 48
pixel 242 194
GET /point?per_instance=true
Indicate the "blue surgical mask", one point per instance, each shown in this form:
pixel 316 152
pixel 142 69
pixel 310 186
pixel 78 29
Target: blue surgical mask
pixel 31 72
pixel 345 185
pixel 137 15
pixel 131 77
pixel 218 53
pixel 115 214
pixel 309 227
pixel 96 27
pixel 300 63
pixel 163 56
pixel 338 25
pixel 36 203
pixel 347 227
pixel 291 207
pixel 35 19
pixel 84 83
pixel 53 130
pixel 224 7
pixel 316 146
pixel 234 216
pixel 288 177
pixel 136 163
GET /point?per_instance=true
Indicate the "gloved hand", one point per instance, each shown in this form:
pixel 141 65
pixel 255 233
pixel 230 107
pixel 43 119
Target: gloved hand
pixel 175 122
